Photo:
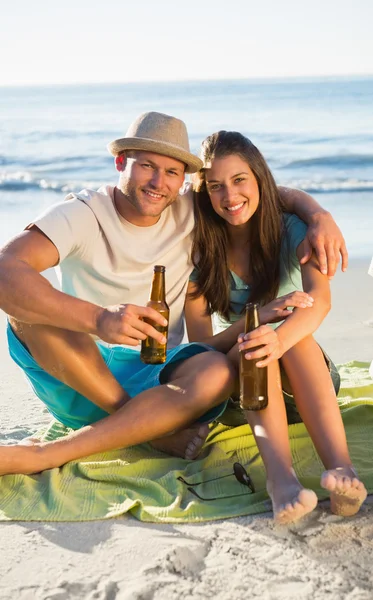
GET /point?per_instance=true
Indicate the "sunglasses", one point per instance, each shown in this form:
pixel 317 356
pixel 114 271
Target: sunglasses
pixel 239 472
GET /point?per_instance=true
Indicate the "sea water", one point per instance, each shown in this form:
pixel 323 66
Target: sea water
pixel 316 134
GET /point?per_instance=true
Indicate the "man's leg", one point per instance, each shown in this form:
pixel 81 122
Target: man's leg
pixel 74 359
pixel 197 385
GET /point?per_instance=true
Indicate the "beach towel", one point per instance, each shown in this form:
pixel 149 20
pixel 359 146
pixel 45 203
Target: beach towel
pixel 154 487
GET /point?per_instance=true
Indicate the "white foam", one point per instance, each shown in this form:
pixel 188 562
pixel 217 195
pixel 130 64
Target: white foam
pixel 370 270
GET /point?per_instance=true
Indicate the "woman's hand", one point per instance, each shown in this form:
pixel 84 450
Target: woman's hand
pixel 261 343
pixel 277 310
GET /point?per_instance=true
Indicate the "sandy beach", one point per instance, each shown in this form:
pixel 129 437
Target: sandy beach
pixel 324 556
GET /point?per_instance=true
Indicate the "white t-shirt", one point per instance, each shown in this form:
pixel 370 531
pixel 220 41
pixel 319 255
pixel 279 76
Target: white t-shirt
pixel 106 260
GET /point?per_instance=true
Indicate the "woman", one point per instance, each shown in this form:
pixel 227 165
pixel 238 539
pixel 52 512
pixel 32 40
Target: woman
pixel 244 248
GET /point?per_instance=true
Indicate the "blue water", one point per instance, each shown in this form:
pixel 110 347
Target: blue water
pixel 315 134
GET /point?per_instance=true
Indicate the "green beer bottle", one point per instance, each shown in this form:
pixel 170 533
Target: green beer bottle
pixel 152 352
pixel 253 381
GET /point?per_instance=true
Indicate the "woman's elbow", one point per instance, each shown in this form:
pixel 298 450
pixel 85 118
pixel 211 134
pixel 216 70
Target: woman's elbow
pixel 324 306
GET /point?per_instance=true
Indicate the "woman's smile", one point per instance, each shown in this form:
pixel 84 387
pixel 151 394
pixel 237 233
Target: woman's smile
pixel 236 208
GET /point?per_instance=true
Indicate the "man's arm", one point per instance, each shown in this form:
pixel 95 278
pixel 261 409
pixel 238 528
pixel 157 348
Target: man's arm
pixel 29 297
pixel 323 235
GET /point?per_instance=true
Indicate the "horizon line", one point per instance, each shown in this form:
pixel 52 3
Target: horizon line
pixel 260 79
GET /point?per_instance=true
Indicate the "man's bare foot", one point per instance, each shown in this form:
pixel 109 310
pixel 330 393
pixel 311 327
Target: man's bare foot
pixel 22 459
pixel 186 443
pixel 291 502
pixel 347 492
pixel 29 441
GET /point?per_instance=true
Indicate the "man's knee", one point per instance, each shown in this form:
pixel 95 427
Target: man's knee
pixel 209 374
pixel 18 327
pixel 53 347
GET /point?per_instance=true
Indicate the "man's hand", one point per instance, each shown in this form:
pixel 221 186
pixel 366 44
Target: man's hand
pixel 123 324
pixel 262 343
pixel 325 237
pixel 277 310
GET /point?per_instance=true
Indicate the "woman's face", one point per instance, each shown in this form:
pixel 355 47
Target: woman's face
pixel 233 189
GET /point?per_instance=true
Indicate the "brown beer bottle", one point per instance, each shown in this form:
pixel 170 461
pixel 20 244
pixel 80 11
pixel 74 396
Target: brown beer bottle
pixel 253 381
pixel 152 352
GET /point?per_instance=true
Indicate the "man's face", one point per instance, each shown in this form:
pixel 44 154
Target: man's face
pixel 150 182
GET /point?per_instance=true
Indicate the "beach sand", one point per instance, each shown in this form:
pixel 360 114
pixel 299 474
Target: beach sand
pixel 323 556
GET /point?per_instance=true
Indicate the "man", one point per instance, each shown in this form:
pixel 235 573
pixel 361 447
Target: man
pixel 106 244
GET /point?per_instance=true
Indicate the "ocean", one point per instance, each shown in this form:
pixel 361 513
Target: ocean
pixel 316 134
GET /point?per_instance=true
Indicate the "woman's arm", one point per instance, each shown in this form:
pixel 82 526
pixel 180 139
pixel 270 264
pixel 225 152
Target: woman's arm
pixel 298 325
pixel 199 325
pixel 323 235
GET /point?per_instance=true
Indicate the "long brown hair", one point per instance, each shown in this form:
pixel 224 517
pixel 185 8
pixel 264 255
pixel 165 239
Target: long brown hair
pixel 210 246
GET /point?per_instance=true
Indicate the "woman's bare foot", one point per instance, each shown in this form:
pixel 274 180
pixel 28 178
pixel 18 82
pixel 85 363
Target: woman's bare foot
pixel 186 443
pixel 290 501
pixel 347 492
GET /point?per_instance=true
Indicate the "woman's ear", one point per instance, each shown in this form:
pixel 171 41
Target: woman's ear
pixel 120 162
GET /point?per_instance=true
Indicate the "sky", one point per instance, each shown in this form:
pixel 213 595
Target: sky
pixel 81 41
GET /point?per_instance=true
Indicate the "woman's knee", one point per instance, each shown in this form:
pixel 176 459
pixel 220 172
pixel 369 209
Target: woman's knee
pixel 300 349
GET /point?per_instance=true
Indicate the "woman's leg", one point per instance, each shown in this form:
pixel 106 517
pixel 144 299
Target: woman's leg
pixel 317 404
pixel 290 500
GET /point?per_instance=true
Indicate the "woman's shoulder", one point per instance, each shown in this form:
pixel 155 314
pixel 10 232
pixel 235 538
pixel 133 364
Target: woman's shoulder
pixel 295 231
pixel 291 221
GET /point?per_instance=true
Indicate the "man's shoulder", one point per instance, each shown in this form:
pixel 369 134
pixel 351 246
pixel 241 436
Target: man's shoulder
pixel 90 196
pixel 98 205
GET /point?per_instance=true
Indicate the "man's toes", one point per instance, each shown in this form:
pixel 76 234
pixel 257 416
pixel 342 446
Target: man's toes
pixel 196 443
pixel 203 431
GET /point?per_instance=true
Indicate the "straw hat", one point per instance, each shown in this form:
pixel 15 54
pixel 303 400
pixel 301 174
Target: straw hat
pixel 161 134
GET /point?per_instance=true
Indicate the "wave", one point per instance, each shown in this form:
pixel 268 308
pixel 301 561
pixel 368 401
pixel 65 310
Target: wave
pixel 44 136
pixel 343 161
pixel 23 180
pixel 60 162
pixel 328 187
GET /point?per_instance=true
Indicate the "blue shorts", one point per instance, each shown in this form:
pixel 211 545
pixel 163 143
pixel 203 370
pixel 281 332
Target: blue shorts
pixel 74 410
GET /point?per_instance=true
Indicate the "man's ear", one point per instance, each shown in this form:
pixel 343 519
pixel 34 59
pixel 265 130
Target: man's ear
pixel 120 162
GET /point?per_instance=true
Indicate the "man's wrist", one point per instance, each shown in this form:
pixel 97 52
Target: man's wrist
pixel 94 326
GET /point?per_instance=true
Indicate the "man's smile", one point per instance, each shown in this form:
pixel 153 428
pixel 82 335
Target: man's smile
pixel 153 195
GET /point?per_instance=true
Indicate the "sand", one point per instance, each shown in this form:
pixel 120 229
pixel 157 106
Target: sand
pixel 323 556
